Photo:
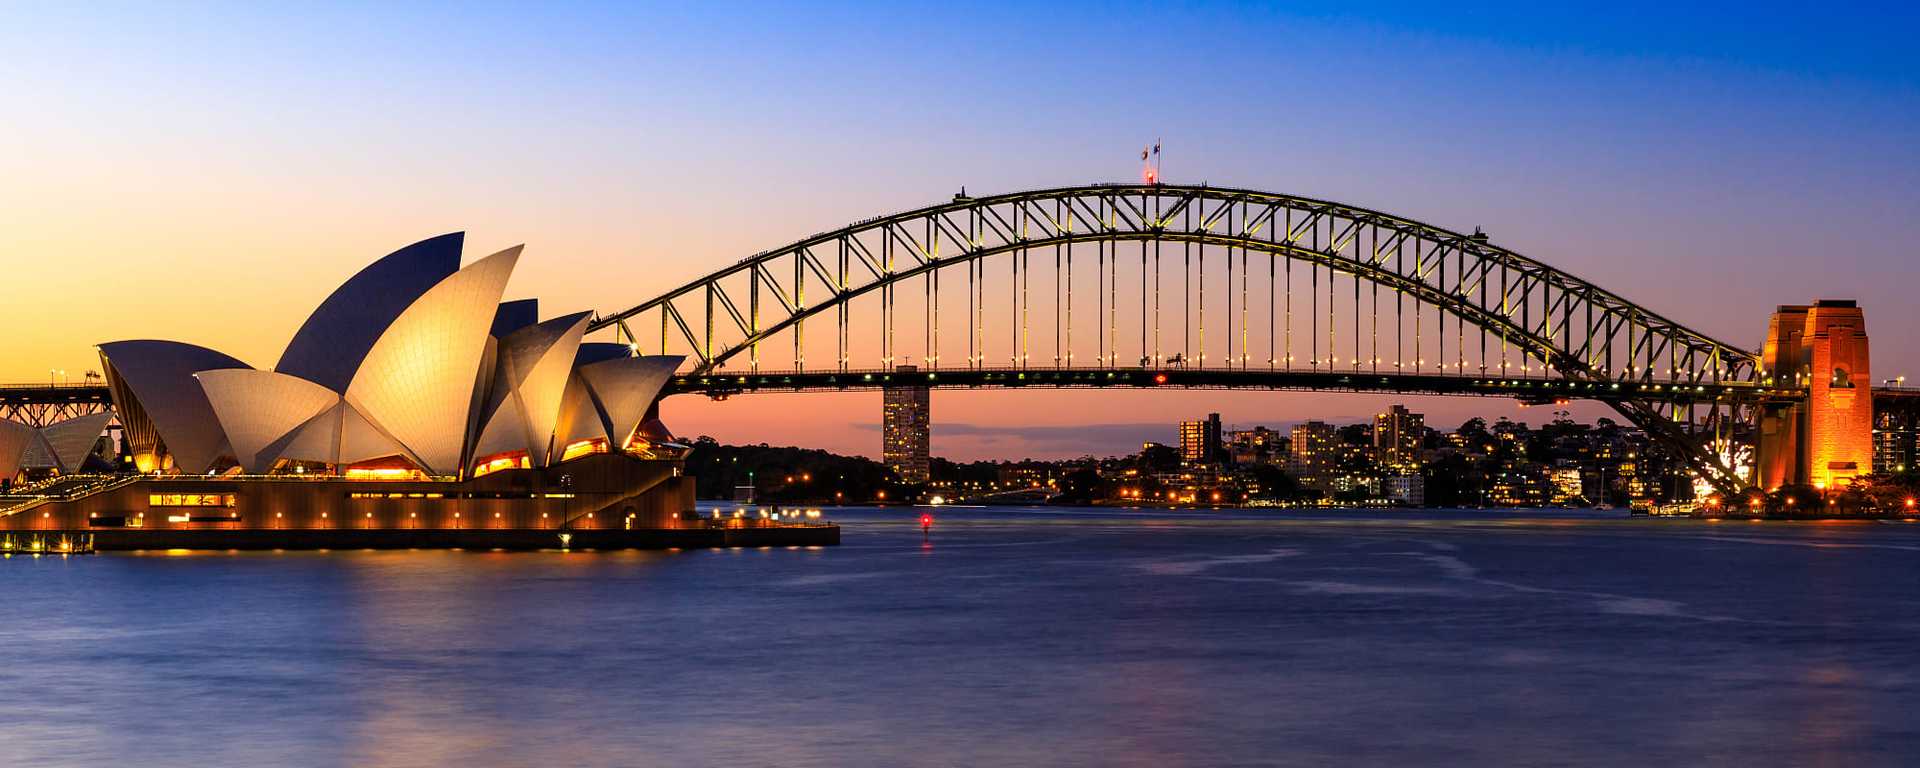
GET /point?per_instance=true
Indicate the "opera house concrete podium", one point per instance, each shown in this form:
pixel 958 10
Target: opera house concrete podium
pixel 412 409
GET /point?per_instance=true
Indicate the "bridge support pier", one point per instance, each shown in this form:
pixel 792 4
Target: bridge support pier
pixel 1827 440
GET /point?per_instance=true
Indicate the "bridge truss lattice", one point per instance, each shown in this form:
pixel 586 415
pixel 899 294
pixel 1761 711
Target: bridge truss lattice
pixel 1164 277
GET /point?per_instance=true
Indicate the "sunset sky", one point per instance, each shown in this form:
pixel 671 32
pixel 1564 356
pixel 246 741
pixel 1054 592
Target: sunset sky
pixel 209 172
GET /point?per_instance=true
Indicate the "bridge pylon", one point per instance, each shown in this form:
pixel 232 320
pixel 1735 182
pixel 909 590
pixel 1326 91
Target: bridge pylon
pixel 1826 440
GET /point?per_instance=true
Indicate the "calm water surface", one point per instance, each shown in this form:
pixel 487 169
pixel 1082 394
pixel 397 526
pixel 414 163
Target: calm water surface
pixel 1015 637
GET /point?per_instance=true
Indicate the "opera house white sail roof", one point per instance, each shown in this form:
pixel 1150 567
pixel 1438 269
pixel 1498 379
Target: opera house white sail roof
pixel 413 362
pixel 64 446
pixel 157 397
pixel 530 382
pixel 15 440
pixel 328 348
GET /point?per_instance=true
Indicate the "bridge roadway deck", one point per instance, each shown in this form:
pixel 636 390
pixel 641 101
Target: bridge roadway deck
pixel 53 394
pixel 1531 389
pixel 1535 389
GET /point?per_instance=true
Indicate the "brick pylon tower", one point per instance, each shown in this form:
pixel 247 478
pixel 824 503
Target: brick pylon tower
pixel 1839 431
pixel 1827 440
pixel 1779 459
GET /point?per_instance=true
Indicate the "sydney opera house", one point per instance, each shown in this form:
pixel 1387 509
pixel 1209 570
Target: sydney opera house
pixel 412 408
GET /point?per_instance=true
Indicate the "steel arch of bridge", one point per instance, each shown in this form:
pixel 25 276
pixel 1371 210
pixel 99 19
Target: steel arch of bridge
pixel 1566 325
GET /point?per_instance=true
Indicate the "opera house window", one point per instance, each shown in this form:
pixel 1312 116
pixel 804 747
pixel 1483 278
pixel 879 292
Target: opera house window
pixel 190 500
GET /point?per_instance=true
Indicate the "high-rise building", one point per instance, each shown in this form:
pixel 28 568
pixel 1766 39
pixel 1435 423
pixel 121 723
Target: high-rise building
pixel 1253 446
pixel 906 430
pixel 1569 484
pixel 1200 440
pixel 1407 490
pixel 1894 444
pixel 1397 433
pixel 1315 448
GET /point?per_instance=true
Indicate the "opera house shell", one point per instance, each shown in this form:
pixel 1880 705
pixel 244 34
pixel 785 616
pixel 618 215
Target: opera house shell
pixel 69 447
pixel 412 368
pixel 413 408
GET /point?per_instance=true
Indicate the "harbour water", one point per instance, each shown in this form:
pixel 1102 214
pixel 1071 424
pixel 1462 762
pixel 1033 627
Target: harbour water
pixel 1013 636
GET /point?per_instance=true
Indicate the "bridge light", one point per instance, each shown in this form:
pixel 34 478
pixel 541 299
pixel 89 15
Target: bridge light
pixel 1160 378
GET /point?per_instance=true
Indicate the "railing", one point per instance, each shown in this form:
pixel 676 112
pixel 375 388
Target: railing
pixel 16 505
pixel 729 383
pixel 61 385
pixel 299 477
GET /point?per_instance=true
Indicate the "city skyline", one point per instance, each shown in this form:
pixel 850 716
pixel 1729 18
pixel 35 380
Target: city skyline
pixel 1390 460
pixel 1653 163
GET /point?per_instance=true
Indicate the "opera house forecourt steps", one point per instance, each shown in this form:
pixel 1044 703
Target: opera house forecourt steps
pixel 413 409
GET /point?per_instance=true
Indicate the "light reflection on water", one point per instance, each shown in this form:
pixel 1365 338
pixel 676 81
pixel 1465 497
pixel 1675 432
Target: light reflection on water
pixel 1010 637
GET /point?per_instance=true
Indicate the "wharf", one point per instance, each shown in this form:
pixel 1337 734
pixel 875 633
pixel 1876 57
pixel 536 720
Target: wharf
pixel 122 540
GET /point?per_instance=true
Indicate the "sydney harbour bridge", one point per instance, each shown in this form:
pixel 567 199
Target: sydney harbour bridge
pixel 1157 285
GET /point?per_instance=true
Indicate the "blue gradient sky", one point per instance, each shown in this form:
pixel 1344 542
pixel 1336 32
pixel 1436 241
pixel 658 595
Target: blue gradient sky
pixel 209 172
